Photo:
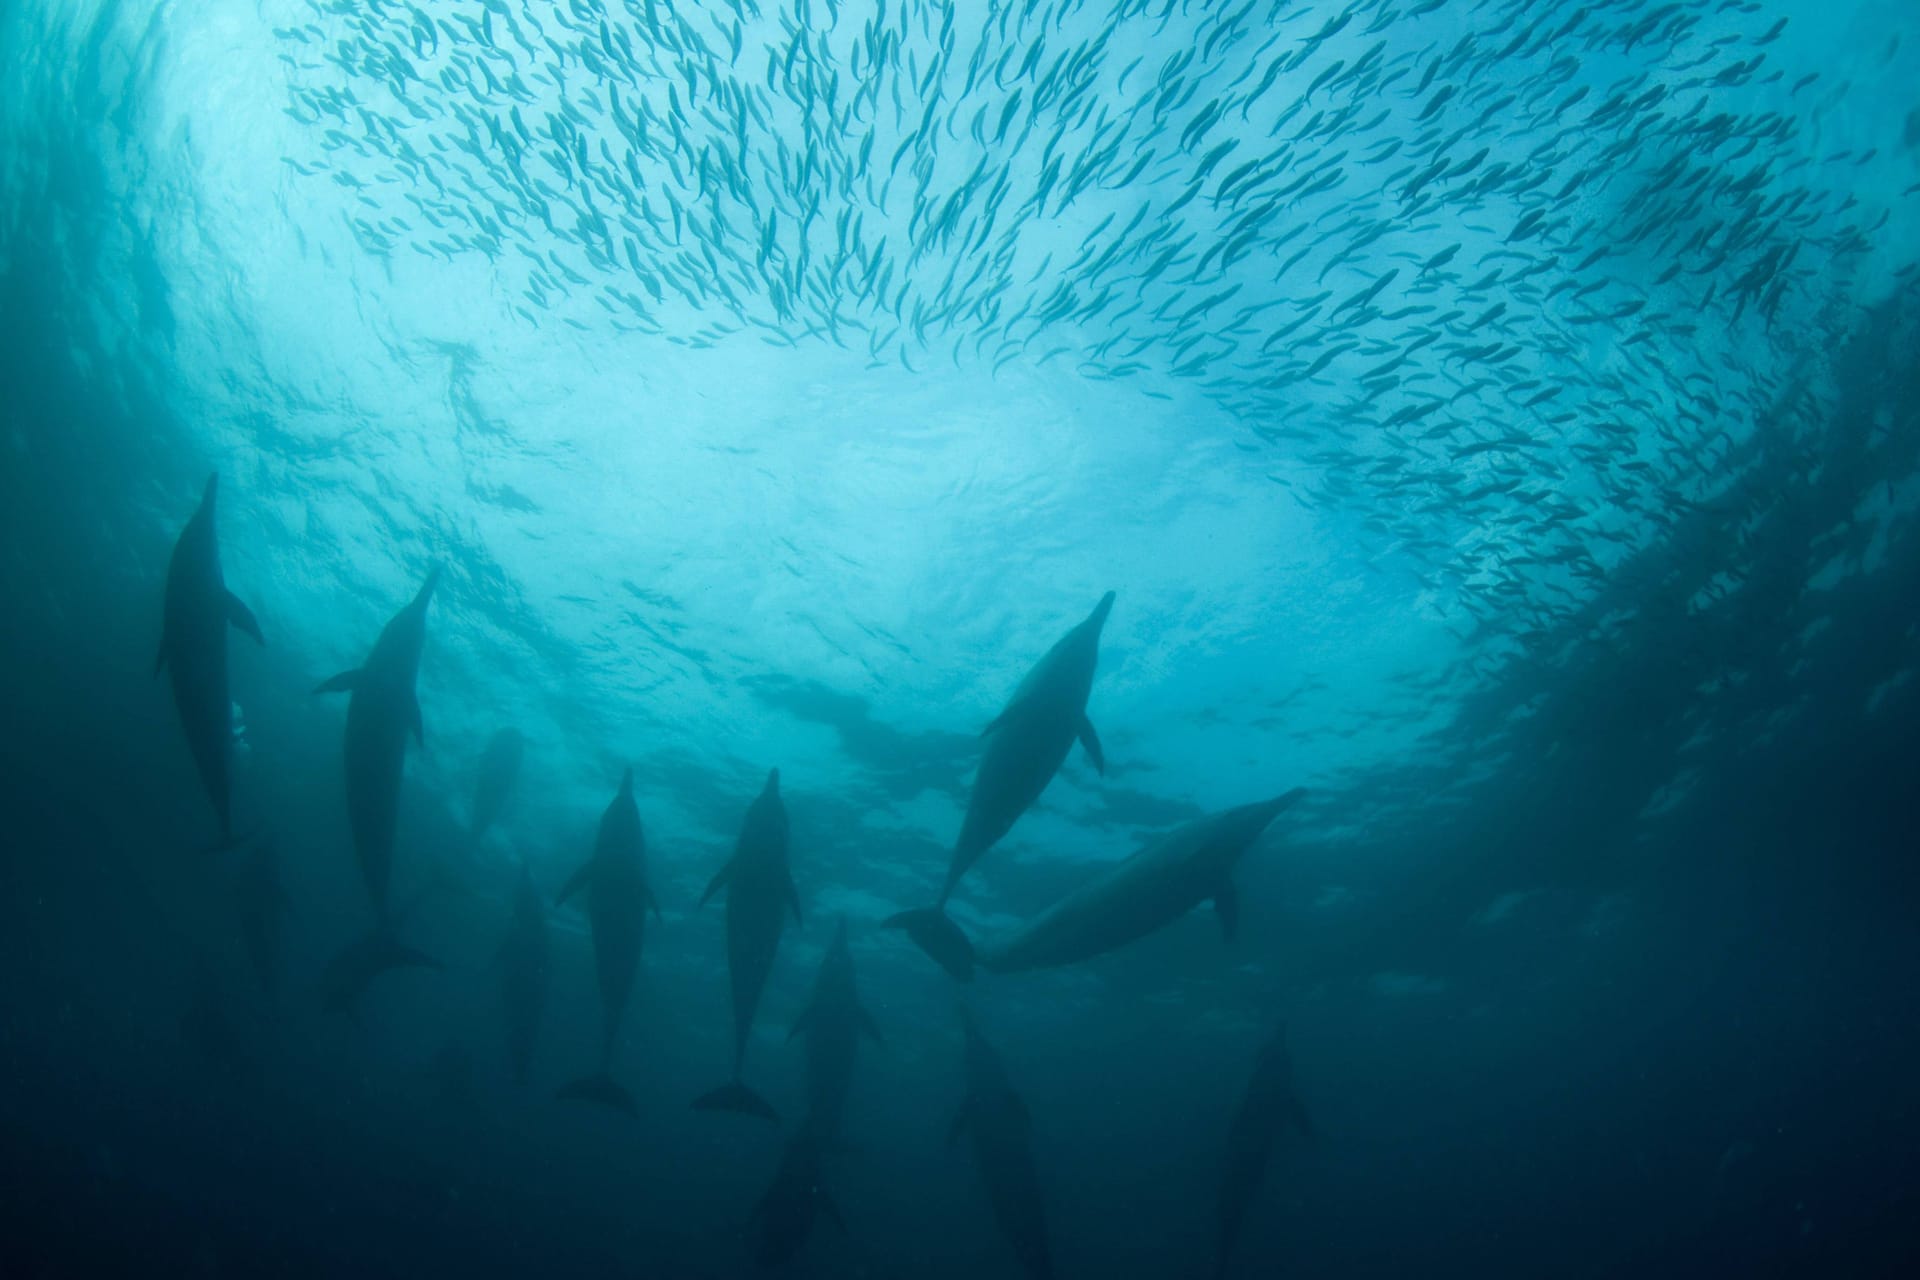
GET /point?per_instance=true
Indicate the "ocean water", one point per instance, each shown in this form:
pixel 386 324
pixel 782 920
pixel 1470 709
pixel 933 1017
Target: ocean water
pixel 1497 419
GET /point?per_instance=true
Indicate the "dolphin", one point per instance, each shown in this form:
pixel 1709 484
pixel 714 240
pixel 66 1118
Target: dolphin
pixel 193 652
pixel 353 968
pixel 615 879
pixel 381 711
pixel 523 975
pixel 493 784
pixel 784 1216
pixel 1132 898
pixel 832 1022
pixel 759 889
pixel 1268 1106
pixel 1026 744
pixel 993 1115
pixel 264 907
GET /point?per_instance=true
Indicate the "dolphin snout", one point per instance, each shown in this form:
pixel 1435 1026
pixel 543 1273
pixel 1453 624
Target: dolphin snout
pixel 1101 610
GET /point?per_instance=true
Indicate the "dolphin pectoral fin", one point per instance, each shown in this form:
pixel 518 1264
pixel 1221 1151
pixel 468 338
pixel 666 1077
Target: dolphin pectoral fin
pixel 1091 741
pixel 962 1114
pixel 353 969
pixel 719 880
pixel 935 933
pixel 160 658
pixel 736 1097
pixel 342 683
pixel 799 1023
pixel 242 618
pixel 1226 904
pixel 653 904
pixel 576 882
pixel 867 1025
pixel 793 900
pixel 419 729
pixel 1279 804
pixel 601 1089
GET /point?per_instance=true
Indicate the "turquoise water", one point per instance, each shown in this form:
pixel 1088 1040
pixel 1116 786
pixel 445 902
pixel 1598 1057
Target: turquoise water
pixel 1497 419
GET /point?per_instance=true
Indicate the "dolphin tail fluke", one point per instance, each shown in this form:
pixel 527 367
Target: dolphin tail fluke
pixel 935 933
pixel 736 1097
pixel 352 971
pixel 601 1088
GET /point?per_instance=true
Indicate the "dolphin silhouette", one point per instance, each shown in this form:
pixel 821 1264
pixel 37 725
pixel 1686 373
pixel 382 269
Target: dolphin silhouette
pixel 832 1024
pixel 1267 1107
pixel 785 1214
pixel 760 889
pixel 493 781
pixel 615 879
pixel 1001 1129
pixel 1142 893
pixel 1026 744
pixel 193 652
pixel 382 710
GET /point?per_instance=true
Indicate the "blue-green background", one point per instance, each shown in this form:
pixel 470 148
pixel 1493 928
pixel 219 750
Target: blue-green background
pixel 780 406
